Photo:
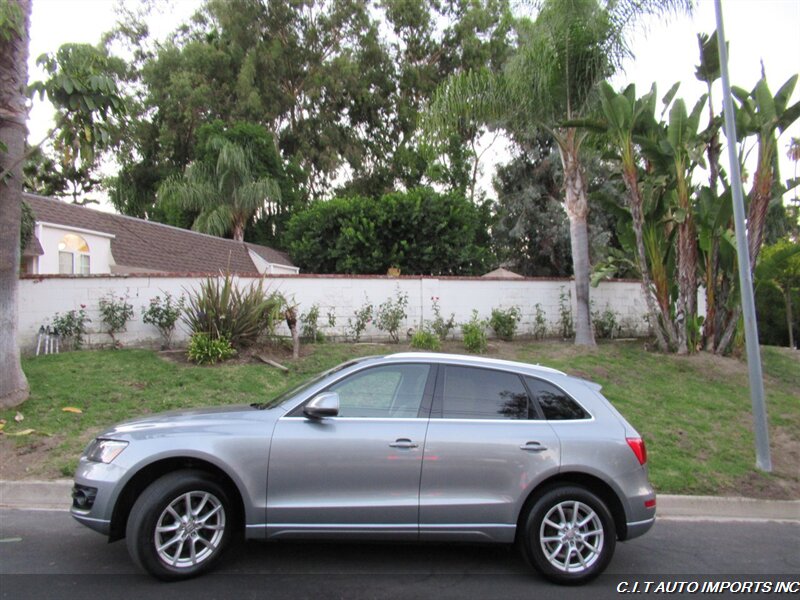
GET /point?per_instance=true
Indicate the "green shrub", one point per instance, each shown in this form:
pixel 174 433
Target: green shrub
pixel 310 322
pixel 222 310
pixel 361 318
pixel 163 314
pixel 115 313
pixel 606 324
pixel 424 339
pixel 441 326
pixel 71 326
pixel 565 324
pixel 539 322
pixel 392 314
pixel 474 333
pixel 504 322
pixel 205 350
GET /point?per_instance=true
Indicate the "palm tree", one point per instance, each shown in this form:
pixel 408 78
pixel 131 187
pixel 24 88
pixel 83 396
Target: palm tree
pixel 14 35
pixel 550 81
pixel 227 196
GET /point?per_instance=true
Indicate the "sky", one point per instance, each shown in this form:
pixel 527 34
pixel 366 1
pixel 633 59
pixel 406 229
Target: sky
pixel 665 51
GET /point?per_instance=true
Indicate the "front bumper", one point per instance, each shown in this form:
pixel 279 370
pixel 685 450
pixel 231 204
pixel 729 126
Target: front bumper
pixel 97 486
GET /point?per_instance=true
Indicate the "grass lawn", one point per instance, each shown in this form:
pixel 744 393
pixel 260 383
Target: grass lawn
pixel 694 412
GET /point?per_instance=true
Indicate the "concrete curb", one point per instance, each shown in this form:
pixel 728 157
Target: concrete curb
pixel 56 495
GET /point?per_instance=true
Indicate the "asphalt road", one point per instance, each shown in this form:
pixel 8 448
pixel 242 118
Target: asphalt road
pixel 45 554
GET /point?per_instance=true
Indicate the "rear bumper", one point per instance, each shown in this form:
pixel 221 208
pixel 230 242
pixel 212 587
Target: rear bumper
pixel 637 528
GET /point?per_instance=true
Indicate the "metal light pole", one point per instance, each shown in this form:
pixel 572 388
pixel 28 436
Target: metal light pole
pixel 763 460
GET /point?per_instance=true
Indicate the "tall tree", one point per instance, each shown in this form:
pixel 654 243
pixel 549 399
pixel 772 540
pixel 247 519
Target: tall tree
pixel 779 266
pixel 530 234
pixel 549 81
pixel 14 37
pixel 82 86
pixel 227 193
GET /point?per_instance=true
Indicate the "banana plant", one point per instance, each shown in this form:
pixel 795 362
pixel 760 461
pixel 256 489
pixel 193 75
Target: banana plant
pixel 624 116
pixel 682 145
pixel 764 116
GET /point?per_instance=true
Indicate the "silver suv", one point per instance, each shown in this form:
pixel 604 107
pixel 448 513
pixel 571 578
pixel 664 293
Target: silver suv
pixel 405 447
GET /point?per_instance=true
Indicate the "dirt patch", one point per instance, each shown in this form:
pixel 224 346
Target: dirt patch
pixel 280 353
pixel 29 461
pixel 784 481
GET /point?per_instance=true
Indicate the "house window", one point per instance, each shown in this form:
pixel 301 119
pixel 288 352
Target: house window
pixel 73 255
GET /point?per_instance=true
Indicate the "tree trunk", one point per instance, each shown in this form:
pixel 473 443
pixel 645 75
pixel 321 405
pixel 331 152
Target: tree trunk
pixel 760 197
pixel 577 205
pixel 13 117
pixel 291 322
pixel 238 229
pixel 659 319
pixel 687 266
pixel 789 318
pixel 687 284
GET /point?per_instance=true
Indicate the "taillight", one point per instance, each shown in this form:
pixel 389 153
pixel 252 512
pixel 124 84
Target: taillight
pixel 639 449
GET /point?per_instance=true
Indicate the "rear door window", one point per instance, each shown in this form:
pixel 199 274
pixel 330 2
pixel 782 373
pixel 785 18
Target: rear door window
pixel 472 393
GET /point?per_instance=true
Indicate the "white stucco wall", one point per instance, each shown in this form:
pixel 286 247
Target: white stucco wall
pixel 42 297
pixel 50 235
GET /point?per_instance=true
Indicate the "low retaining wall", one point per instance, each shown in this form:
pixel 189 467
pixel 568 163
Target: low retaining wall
pixel 43 296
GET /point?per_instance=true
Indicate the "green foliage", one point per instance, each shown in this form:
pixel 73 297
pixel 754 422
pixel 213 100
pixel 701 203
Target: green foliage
pixel 204 349
pixel 420 232
pixel 115 313
pixel 12 20
pixel 82 84
pixel 392 314
pixel 566 326
pixel 425 339
pixel 777 279
pixel 441 326
pixel 530 233
pixel 26 225
pixel 474 334
pixel 358 324
pixel 71 326
pixel 226 193
pixel 504 322
pixel 221 309
pixel 539 322
pixel 163 314
pixel 310 322
pixel 606 323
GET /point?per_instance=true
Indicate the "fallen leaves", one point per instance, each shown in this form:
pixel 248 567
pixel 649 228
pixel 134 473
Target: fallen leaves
pixel 19 433
pixel 72 409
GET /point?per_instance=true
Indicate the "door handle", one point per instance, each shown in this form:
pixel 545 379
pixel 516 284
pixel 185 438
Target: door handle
pixel 533 447
pixel 403 443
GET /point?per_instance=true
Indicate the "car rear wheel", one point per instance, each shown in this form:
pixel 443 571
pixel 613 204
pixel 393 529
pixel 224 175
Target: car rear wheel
pixel 569 535
pixel 180 525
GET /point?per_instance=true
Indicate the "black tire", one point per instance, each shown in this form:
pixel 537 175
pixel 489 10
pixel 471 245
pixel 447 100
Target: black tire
pixel 561 549
pixel 189 516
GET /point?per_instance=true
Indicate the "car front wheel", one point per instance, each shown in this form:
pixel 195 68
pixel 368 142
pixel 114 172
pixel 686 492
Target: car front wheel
pixel 180 525
pixel 569 535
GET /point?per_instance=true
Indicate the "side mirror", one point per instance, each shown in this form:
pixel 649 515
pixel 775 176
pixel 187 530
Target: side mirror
pixel 323 405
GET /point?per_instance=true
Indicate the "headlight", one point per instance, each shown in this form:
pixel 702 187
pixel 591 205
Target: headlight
pixel 104 451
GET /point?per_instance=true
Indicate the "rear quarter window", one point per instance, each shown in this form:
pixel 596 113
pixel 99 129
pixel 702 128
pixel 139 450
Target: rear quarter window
pixel 555 403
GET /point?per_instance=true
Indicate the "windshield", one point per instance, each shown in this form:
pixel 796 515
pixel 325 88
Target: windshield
pixel 301 387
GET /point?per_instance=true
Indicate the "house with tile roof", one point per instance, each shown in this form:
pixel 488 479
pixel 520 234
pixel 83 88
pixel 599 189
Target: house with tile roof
pixel 76 240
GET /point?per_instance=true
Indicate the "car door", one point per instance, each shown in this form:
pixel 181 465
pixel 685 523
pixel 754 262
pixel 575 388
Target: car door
pixel 486 447
pixel 357 473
